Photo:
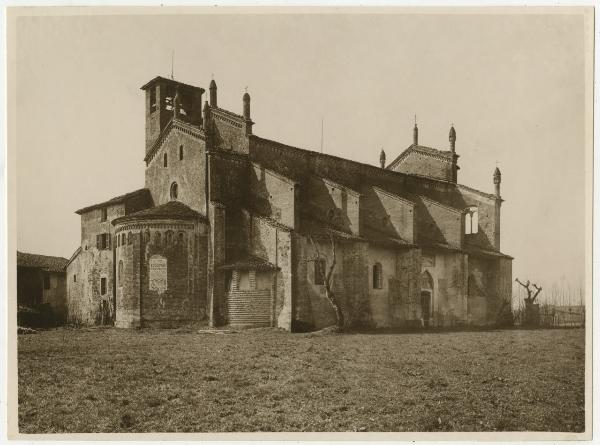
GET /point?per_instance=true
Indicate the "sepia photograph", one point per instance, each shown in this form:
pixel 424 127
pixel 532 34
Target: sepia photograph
pixel 300 220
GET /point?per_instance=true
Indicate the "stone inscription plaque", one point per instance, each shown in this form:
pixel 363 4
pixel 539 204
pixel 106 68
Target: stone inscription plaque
pixel 158 273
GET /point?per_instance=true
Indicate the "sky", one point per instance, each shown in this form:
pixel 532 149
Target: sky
pixel 513 85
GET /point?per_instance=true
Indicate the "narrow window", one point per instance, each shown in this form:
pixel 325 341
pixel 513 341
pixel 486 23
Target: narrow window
pixel 74 278
pixel 102 286
pixel 152 100
pixel 46 282
pixel 181 152
pixel 104 214
pixel 471 221
pixel 377 276
pixel 174 190
pixel 181 237
pixel 320 271
pixel 120 273
pixel 157 238
pixel 129 238
pixel 165 160
pixel 168 237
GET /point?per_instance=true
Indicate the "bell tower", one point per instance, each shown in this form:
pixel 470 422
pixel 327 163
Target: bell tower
pixel 167 99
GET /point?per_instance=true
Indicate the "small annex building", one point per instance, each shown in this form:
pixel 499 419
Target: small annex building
pixel 41 280
pixel 226 227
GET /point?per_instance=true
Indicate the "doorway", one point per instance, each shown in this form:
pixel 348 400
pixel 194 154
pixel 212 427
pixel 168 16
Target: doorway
pixel 425 307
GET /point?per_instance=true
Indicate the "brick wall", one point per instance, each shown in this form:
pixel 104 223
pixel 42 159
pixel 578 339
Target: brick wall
pixel 417 163
pixel 229 132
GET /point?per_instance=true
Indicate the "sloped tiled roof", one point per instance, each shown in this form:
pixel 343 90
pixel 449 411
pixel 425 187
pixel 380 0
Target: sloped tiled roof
pixel 116 200
pixel 246 261
pixel 44 262
pixel 170 210
pixel 378 237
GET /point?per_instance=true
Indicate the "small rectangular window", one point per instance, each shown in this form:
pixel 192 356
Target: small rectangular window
pixel 102 286
pixel 104 214
pixel 46 282
pixel 320 271
pixel 74 278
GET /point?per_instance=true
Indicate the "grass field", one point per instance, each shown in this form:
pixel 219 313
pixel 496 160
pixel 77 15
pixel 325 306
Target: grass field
pixel 109 380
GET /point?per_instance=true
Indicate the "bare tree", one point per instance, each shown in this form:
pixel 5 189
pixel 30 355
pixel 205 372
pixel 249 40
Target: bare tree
pixel 329 293
pixel 528 287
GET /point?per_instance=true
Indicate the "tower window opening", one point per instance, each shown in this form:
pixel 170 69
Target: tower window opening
pixel 174 190
pixel 165 161
pixel 181 152
pixel 102 286
pixel 153 100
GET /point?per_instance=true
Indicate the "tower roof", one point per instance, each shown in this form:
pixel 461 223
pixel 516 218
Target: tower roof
pixel 452 132
pixel 213 84
pixel 497 172
pixel 158 79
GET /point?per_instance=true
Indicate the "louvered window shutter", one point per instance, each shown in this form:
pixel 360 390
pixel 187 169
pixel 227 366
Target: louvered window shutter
pixel 98 241
pixel 108 237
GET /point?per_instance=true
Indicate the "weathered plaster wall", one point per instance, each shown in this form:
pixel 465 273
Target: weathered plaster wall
pixel 381 300
pixel 188 173
pixel 87 305
pixel 388 213
pixel 272 195
pixel 329 201
pixel 449 275
pixel 349 282
pixel 440 223
pixel 487 236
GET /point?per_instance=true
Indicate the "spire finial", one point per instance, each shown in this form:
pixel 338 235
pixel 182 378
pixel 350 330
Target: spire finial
pixel 245 89
pixel 415 120
pixel 172 62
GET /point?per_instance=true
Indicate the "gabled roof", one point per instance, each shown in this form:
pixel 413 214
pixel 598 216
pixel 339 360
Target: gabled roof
pixel 378 237
pixel 44 262
pixel 170 210
pixel 116 200
pixel 447 156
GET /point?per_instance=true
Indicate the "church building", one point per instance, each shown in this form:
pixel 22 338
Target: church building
pixel 237 230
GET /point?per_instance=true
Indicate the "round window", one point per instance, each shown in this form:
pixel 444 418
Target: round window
pixel 174 190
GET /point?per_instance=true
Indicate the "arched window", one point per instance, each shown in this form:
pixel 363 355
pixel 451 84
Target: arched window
pixel 122 239
pixel 471 221
pixel 174 190
pixel 147 236
pixel 377 276
pixel 157 238
pixel 165 163
pixel 120 273
pixel 181 237
pixel 129 238
pixel 168 237
pixel 320 271
pixel 181 152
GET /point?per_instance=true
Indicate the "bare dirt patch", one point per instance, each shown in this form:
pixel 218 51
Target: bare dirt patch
pixel 109 380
